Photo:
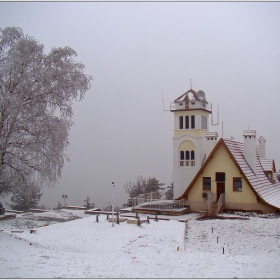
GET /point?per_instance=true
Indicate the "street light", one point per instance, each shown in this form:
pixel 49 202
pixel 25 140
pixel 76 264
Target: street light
pixel 64 196
pixel 113 184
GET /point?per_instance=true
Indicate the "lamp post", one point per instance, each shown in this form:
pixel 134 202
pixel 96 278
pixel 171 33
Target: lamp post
pixel 113 184
pixel 64 196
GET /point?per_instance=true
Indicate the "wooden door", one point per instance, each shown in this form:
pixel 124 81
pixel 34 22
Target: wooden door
pixel 220 190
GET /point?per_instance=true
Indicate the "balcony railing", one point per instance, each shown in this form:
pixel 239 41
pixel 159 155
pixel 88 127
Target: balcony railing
pixel 161 205
pixel 188 105
pixel 187 162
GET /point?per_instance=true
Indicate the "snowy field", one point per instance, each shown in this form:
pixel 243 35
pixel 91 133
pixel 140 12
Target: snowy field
pixel 83 248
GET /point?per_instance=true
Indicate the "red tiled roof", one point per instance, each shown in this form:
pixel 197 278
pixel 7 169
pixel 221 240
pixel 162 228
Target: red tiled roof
pixel 211 134
pixel 264 188
pixel 267 164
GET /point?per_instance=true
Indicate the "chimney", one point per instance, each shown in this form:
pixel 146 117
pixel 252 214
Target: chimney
pixel 211 141
pixel 261 147
pixel 250 148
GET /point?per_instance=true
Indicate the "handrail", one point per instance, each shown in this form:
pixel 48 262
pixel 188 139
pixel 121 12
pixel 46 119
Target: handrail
pixel 210 200
pixel 222 199
pixel 161 204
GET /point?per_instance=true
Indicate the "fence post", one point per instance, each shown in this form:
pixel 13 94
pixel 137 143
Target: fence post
pixel 156 219
pixel 148 220
pixel 97 221
pixel 118 221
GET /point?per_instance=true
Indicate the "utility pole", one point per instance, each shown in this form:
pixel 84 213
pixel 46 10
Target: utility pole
pixel 113 184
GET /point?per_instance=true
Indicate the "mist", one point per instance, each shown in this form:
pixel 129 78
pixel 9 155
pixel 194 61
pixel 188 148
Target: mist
pixel 138 52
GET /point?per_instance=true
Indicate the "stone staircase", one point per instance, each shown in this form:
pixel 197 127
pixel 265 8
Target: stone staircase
pixel 215 209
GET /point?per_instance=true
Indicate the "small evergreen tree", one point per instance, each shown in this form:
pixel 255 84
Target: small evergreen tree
pixel 58 207
pixel 25 196
pixel 88 205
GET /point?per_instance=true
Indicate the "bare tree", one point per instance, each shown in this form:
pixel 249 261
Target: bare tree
pixel 36 95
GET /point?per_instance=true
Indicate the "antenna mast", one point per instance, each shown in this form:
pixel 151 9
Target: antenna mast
pixel 165 110
pixel 191 83
pixel 217 117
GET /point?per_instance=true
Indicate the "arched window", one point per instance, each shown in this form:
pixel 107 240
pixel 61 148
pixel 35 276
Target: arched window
pixel 192 155
pixel 182 158
pixel 187 158
pixel 182 155
pixel 192 158
pixel 186 154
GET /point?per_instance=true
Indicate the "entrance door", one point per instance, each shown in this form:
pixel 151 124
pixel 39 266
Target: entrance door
pixel 220 190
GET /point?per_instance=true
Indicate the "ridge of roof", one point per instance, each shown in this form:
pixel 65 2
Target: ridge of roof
pixel 190 90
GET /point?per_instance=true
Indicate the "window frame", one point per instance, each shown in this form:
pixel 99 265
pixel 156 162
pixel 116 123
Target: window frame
pixel 234 188
pixel 187 122
pixel 192 121
pixel 181 122
pixel 220 174
pixel 204 183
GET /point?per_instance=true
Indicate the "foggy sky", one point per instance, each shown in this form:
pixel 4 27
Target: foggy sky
pixel 136 52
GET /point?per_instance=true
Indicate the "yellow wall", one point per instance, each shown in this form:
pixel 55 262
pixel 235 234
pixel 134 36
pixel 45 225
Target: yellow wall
pixel 186 146
pixel 221 162
pixel 191 112
pixel 197 132
pixel 193 132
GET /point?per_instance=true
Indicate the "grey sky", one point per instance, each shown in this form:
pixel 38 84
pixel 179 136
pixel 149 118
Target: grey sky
pixel 137 51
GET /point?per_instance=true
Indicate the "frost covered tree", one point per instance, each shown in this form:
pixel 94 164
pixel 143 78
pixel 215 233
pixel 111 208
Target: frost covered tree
pixel 36 95
pixel 142 185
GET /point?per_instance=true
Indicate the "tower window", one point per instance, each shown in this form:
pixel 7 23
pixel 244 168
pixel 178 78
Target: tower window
pixel 187 122
pixel 193 121
pixel 181 120
pixel 192 159
pixel 203 122
pixel 192 155
pixel 187 158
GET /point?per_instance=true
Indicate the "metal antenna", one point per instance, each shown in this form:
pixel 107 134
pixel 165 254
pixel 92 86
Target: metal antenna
pixel 217 117
pixel 163 105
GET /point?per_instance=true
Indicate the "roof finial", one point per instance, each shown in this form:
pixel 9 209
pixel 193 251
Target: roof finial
pixel 191 82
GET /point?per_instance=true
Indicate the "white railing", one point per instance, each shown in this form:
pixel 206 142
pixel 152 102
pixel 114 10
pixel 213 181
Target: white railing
pixel 222 199
pixel 187 162
pixel 162 204
pixel 210 200
pixel 193 104
pixel 145 197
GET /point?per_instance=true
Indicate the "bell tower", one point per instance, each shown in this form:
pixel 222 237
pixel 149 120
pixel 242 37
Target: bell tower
pixel 190 141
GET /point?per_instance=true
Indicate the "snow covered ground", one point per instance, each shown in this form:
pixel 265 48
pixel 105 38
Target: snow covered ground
pixel 83 248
